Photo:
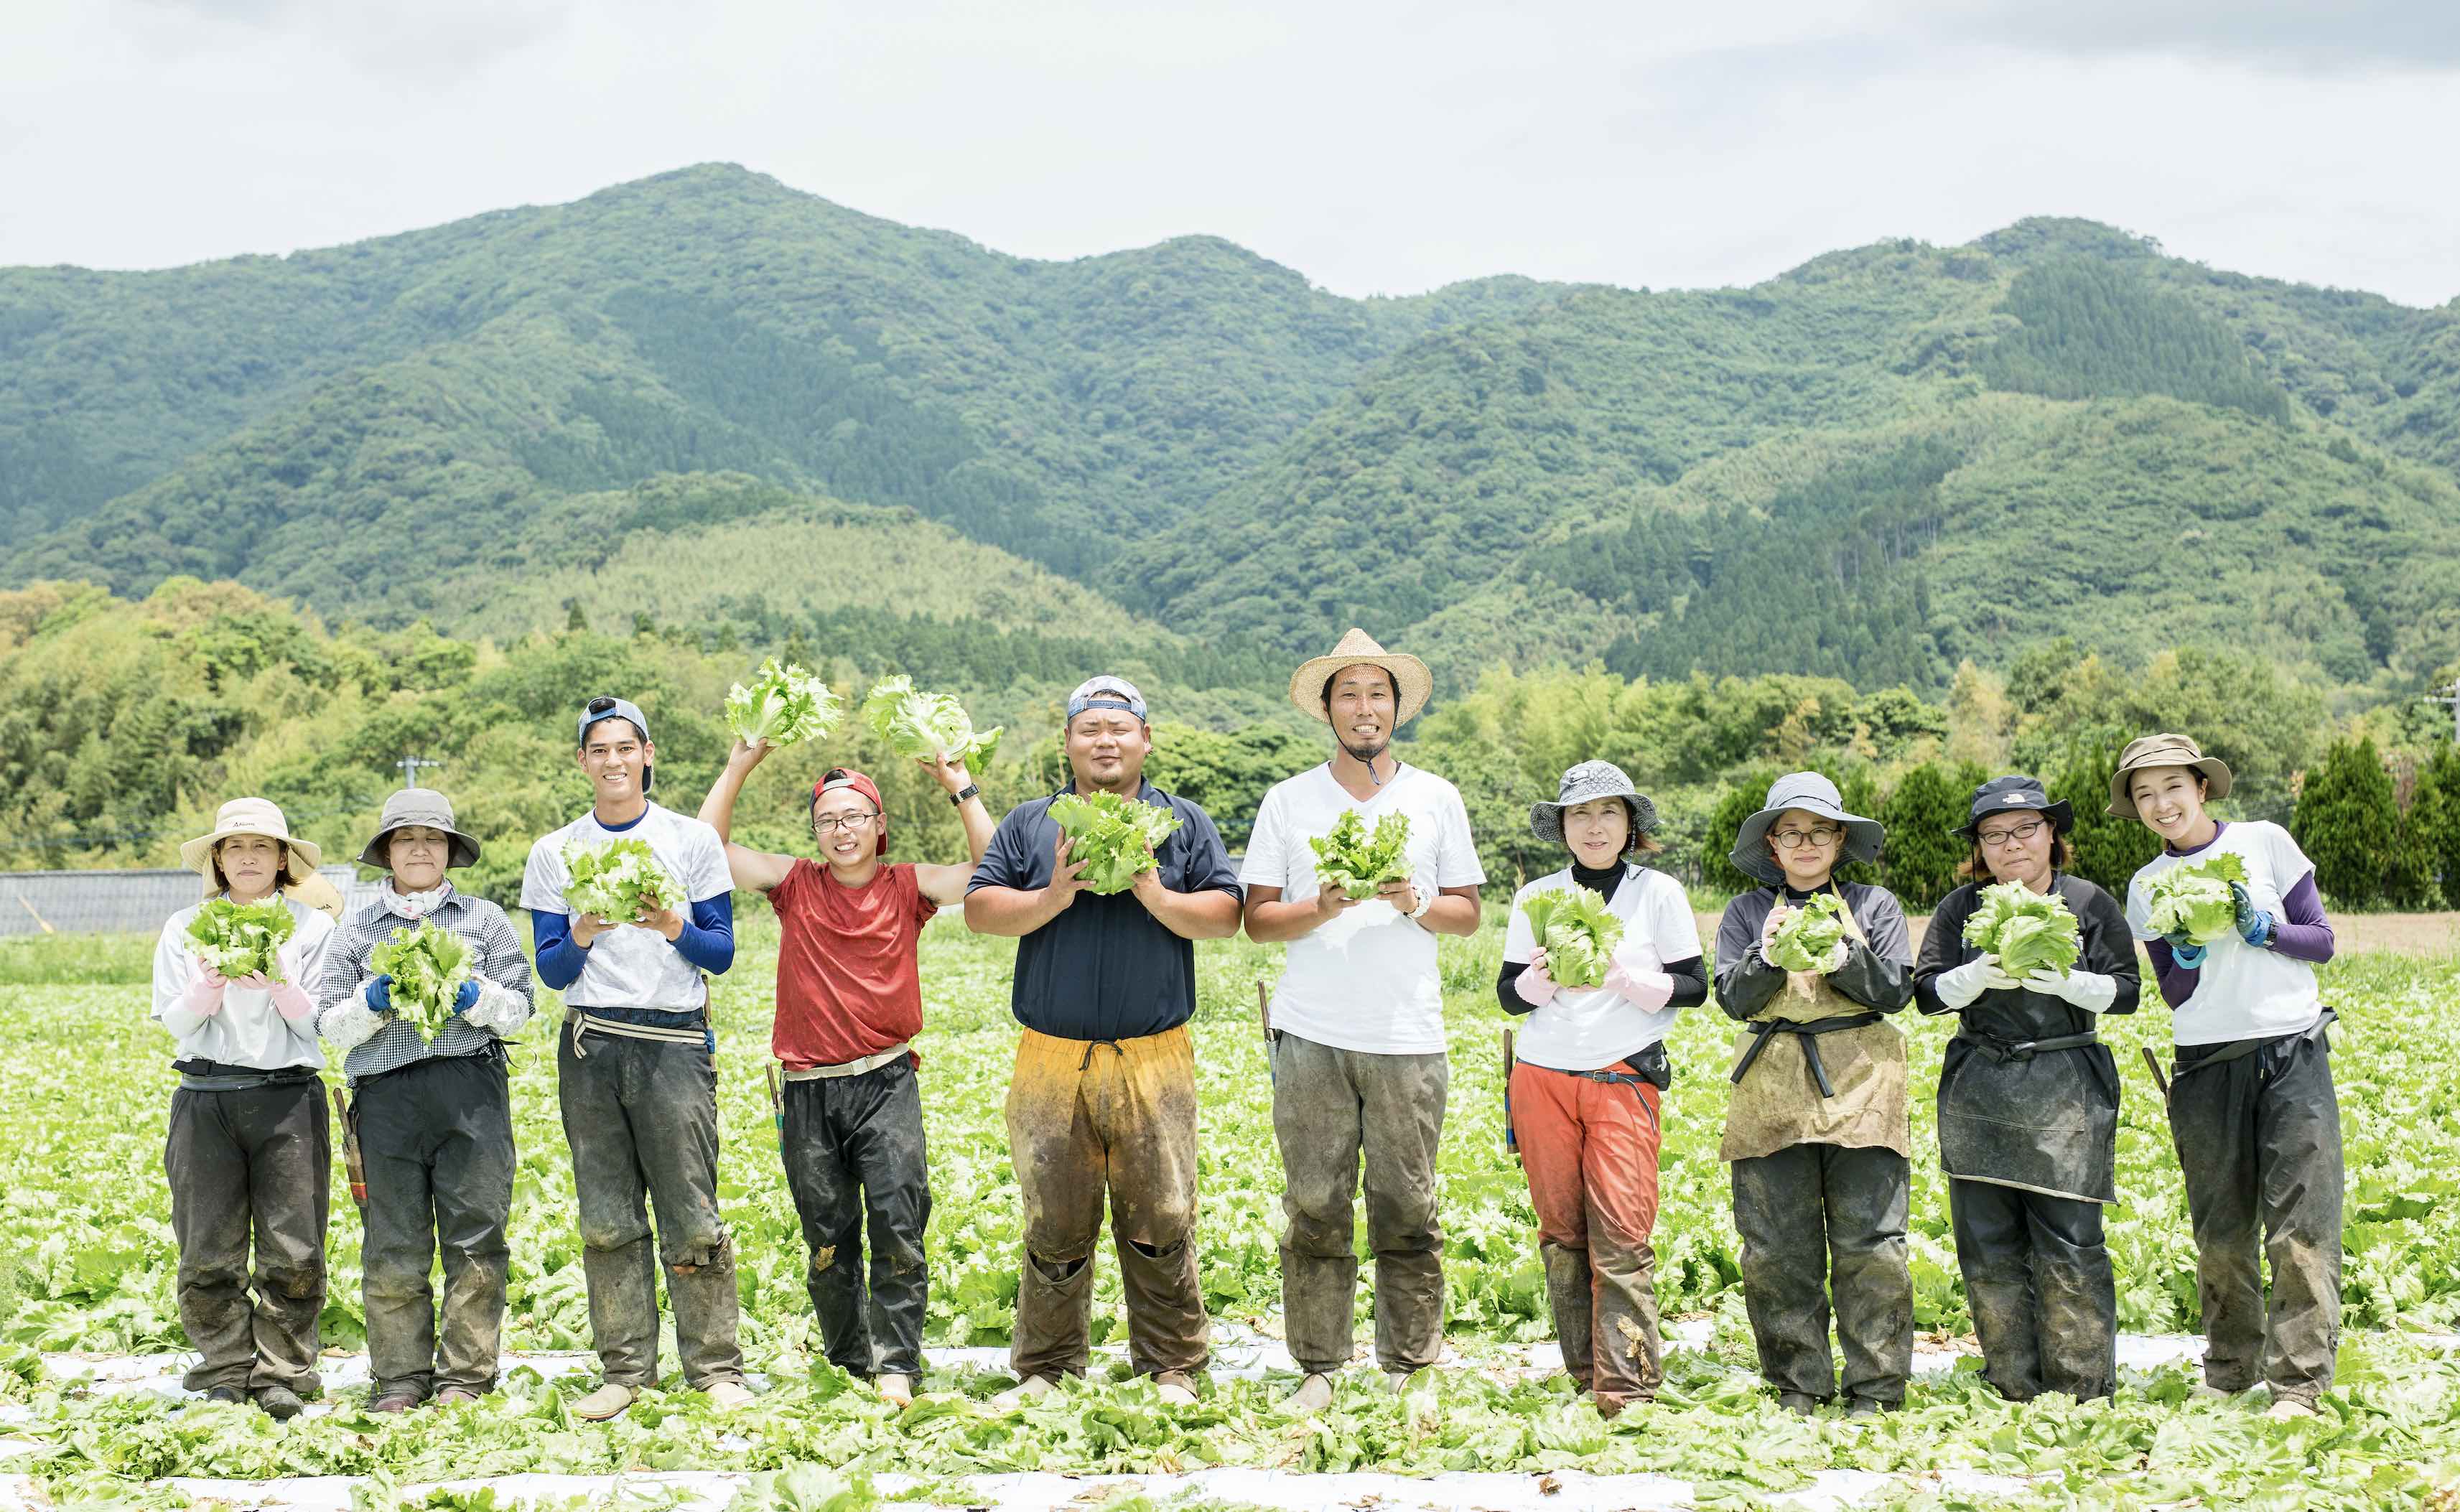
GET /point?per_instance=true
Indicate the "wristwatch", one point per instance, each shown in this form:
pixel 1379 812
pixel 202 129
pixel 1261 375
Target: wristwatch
pixel 1426 900
pixel 959 797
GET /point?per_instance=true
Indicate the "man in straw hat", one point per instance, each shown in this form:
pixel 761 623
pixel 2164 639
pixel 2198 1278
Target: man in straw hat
pixel 435 1116
pixel 1818 1130
pixel 2252 1110
pixel 636 1074
pixel 849 1010
pixel 250 1143
pixel 1357 1024
pixel 1103 1099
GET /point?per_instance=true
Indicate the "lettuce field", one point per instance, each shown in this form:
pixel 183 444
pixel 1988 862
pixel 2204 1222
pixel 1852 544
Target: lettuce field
pixel 87 1262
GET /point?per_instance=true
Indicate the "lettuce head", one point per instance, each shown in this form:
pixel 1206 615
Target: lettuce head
pixel 1809 935
pixel 782 705
pixel 2028 931
pixel 1357 863
pixel 2194 898
pixel 1114 837
pixel 1578 931
pixel 919 725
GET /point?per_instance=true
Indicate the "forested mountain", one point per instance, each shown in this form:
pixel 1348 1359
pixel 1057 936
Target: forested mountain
pixel 705 399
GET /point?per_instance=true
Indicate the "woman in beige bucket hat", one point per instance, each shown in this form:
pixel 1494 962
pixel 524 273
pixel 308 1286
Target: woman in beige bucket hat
pixel 2253 1111
pixel 250 1146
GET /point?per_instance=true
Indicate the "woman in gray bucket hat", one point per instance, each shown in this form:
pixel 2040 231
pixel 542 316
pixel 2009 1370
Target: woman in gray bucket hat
pixel 1588 1073
pixel 434 1116
pixel 1818 1130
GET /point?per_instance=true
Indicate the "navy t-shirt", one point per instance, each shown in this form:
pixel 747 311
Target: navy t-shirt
pixel 1106 968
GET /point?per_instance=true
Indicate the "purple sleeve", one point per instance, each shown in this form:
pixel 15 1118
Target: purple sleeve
pixel 2302 932
pixel 2177 982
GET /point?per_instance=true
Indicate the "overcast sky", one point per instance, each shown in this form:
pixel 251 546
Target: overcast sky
pixel 1375 147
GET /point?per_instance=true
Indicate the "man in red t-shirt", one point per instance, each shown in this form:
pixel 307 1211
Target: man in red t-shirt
pixel 849 1005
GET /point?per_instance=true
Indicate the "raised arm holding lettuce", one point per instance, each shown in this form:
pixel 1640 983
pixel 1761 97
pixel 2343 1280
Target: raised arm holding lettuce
pixel 1818 1130
pixel 849 1008
pixel 2029 958
pixel 1357 865
pixel 2232 923
pixel 1103 1098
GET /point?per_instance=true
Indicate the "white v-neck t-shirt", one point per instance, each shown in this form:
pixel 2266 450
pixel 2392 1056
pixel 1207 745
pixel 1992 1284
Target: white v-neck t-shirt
pixel 1366 980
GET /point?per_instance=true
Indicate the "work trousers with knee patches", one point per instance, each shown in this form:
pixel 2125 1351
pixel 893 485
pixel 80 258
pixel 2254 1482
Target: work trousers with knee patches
pixel 1092 1118
pixel 2037 1276
pixel 853 1147
pixel 1331 1108
pixel 252 1163
pixel 1821 1219
pixel 2259 1140
pixel 1590 1147
pixel 436 1137
pixel 640 1117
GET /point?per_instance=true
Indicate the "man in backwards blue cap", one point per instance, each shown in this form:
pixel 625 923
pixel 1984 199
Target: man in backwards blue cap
pixel 635 1072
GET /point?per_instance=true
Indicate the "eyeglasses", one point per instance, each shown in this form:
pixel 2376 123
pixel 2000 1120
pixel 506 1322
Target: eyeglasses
pixel 831 824
pixel 2013 835
pixel 1796 839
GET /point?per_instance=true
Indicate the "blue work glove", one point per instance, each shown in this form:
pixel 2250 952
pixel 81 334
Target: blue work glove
pixel 2189 957
pixel 467 998
pixel 379 995
pixel 2253 925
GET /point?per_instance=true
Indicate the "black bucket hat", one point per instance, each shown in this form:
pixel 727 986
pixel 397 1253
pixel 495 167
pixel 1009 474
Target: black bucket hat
pixel 2005 794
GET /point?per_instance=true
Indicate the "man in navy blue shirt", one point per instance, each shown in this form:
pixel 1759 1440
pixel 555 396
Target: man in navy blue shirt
pixel 635 1075
pixel 1104 1094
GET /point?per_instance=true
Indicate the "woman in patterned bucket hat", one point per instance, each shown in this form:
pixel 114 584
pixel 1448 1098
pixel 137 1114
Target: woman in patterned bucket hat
pixel 1588 1076
pixel 1817 1132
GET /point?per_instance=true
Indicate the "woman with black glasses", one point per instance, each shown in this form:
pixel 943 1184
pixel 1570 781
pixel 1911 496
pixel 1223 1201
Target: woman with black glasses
pixel 2029 1105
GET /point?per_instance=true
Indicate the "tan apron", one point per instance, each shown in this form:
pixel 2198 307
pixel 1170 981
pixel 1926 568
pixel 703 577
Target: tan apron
pixel 1777 1101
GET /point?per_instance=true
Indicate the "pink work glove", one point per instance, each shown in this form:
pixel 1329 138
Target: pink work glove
pixel 205 996
pixel 1536 988
pixel 1633 973
pixel 289 999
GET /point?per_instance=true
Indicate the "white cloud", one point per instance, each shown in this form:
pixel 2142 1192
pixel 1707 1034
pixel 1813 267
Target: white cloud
pixel 1382 147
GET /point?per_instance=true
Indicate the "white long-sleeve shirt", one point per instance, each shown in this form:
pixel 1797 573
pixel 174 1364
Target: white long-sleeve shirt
pixel 248 1031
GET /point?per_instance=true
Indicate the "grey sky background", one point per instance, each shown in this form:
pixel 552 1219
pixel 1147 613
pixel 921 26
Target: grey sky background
pixel 1376 147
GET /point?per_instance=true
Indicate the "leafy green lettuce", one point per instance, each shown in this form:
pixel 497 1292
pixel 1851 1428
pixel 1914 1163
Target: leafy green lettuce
pixel 427 966
pixel 1578 932
pixel 1809 935
pixel 783 705
pixel 619 881
pixel 1116 837
pixel 1357 863
pixel 242 939
pixel 920 725
pixel 2194 899
pixel 2028 931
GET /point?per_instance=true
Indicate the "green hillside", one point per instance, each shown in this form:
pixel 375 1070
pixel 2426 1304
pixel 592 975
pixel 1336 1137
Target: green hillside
pixel 300 421
pixel 644 407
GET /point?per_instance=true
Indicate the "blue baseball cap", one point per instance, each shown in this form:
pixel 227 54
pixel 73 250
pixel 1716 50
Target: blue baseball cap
pixel 604 707
pixel 1106 692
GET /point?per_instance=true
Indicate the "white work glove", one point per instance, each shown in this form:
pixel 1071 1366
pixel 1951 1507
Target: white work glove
pixel 1960 987
pixel 2089 990
pixel 499 1010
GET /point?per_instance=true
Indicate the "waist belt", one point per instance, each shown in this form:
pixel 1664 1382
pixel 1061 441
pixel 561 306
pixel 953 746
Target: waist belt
pixel 586 1023
pixel 853 1068
pixel 218 1077
pixel 1767 1028
pixel 2240 1048
pixel 2019 1052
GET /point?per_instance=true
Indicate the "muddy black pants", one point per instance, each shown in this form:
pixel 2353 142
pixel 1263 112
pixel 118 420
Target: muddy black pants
pixel 640 1117
pixel 2259 1140
pixel 854 1150
pixel 436 1137
pixel 253 1163
pixel 2038 1278
pixel 1817 1219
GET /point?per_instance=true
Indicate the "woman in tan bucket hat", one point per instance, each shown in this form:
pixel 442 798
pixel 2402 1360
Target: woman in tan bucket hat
pixel 249 1146
pixel 2253 1111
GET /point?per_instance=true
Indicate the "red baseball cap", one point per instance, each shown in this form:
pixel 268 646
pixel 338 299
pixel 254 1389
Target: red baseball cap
pixel 837 779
